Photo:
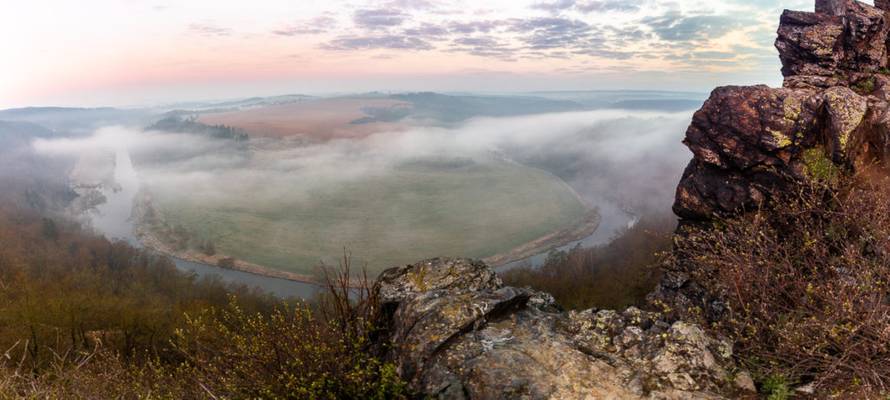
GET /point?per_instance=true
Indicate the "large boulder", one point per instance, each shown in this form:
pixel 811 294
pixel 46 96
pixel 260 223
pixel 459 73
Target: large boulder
pixel 457 332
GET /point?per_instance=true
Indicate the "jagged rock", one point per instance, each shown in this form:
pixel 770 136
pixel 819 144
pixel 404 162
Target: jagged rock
pixel 458 333
pixel 744 140
pixel 752 143
pixel 846 110
pixel 820 49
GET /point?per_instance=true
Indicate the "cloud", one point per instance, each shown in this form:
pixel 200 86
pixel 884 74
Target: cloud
pixel 484 47
pixel 609 5
pixel 209 29
pixel 390 42
pixel 428 31
pixel 574 30
pixel 413 4
pixel 314 26
pixel 379 18
pixel 483 26
pixel 558 5
pixel 677 27
pixel 557 33
pixel 589 6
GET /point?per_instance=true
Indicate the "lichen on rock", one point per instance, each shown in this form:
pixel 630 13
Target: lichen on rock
pixel 466 336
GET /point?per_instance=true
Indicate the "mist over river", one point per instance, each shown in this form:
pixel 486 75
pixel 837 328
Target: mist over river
pixel 114 220
pixel 623 163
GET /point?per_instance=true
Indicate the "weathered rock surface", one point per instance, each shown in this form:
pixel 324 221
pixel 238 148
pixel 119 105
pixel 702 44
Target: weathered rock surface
pixel 751 143
pixel 458 333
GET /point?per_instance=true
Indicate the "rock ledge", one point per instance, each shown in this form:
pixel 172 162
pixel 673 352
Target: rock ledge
pixel 458 333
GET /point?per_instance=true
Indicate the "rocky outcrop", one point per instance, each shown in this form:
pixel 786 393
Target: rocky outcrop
pixel 752 143
pixel 458 333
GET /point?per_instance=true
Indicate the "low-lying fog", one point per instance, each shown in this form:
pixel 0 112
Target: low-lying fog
pixel 629 158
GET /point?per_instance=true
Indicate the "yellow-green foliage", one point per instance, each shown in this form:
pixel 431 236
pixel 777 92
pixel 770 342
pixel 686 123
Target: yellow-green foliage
pixel 865 86
pixel 819 168
pixel 781 139
pixel 84 318
pixel 290 353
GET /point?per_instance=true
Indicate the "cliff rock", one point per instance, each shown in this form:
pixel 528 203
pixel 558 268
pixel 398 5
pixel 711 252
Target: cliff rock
pixel 750 143
pixel 458 333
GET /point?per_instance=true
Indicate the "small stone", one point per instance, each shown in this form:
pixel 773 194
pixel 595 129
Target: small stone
pixel 744 382
pixel 809 388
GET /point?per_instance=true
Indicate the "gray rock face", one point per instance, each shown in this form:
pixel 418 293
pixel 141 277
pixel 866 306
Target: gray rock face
pixel 820 49
pixel 458 333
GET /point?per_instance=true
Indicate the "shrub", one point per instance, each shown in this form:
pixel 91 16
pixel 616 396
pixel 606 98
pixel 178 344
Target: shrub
pixel 321 351
pixel 85 318
pixel 615 275
pixel 865 86
pixel 805 286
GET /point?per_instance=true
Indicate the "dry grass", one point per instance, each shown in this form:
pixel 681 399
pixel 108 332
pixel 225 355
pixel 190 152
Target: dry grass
pixel 806 286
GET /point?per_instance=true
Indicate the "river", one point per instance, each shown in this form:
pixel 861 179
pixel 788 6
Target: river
pixel 113 219
pixel 613 221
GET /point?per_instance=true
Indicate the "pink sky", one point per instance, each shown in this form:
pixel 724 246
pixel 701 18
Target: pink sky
pixel 129 52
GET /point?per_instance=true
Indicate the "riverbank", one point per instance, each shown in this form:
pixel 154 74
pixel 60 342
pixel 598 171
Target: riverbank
pixel 586 227
pixel 149 240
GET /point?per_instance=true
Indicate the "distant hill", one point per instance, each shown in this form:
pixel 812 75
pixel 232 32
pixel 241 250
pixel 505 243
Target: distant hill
pixel 658 105
pixel 451 109
pixel 19 131
pixel 652 100
pixel 75 120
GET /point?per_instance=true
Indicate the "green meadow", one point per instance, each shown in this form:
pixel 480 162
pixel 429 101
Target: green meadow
pixel 414 211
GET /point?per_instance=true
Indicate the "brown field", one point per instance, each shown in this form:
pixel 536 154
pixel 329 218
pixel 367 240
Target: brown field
pixel 323 119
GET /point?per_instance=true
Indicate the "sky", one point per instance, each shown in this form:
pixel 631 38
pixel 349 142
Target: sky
pixel 146 52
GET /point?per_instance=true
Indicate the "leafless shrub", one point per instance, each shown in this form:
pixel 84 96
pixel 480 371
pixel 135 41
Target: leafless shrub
pixel 806 286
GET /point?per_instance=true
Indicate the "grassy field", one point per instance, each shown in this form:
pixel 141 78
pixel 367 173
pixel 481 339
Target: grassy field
pixel 415 211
